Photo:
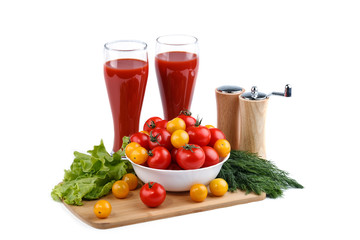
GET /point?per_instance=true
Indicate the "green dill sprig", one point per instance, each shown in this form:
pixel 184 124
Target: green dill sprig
pixel 250 173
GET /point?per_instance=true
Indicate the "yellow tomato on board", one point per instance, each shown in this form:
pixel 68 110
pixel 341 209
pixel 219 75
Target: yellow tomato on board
pixel 131 180
pixel 198 192
pixel 102 209
pixel 209 126
pixel 222 147
pixel 176 124
pixel 218 187
pixel 120 189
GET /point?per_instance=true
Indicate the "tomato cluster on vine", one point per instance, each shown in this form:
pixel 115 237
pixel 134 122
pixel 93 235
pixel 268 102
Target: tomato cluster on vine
pixel 178 144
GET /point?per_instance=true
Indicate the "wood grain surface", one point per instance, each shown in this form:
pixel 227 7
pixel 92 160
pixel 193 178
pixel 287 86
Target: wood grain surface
pixel 228 116
pixel 131 210
pixel 252 133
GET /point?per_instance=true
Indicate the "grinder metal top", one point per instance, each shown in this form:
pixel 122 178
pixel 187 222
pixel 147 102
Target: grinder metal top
pixel 254 94
pixel 230 89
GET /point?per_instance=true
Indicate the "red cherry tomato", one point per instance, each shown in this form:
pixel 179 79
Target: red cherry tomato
pixel 159 158
pixel 174 166
pixel 140 138
pixel 152 194
pixel 199 135
pixel 173 154
pixel 190 156
pixel 216 134
pixel 161 124
pixel 211 156
pixel 150 123
pixel 188 119
pixel 160 137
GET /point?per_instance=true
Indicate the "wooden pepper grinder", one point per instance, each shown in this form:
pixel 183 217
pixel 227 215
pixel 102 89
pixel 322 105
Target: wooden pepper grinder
pixel 228 113
pixel 253 107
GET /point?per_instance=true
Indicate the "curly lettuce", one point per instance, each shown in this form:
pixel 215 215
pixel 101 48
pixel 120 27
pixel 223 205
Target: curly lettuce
pixel 92 175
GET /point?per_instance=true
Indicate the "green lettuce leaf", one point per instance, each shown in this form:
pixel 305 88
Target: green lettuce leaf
pixel 92 175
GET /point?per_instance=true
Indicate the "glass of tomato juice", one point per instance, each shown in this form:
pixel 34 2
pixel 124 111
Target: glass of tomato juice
pixel 176 64
pixel 126 71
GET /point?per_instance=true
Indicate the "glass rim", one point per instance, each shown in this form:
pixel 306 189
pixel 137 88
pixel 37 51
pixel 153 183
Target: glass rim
pixel 194 39
pixel 107 46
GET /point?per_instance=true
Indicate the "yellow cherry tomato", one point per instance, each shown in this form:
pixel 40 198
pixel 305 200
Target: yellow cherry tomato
pixel 198 192
pixel 179 138
pixel 222 147
pixel 102 209
pixel 120 189
pixel 176 124
pixel 131 147
pixel 146 132
pixel 139 155
pixel 218 187
pixel 209 126
pixel 131 180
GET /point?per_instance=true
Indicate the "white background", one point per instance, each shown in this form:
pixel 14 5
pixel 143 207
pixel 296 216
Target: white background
pixel 53 101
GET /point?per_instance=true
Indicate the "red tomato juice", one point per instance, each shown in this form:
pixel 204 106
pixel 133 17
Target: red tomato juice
pixel 176 73
pixel 125 82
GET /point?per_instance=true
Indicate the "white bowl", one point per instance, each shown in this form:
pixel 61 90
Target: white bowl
pixel 178 180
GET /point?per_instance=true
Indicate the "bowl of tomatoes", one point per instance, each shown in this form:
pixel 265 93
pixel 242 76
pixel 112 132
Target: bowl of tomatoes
pixel 177 153
pixel 178 180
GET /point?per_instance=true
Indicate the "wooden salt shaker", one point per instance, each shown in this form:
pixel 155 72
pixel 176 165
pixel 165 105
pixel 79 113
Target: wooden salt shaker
pixel 228 113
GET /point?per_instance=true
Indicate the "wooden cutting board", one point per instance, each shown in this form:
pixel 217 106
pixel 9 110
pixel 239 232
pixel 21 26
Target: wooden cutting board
pixel 131 210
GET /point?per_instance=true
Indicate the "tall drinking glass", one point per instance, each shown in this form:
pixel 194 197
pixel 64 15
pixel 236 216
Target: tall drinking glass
pixel 126 73
pixel 177 64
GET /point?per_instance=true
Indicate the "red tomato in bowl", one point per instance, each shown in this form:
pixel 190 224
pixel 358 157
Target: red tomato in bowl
pixel 199 135
pixel 150 124
pixel 160 137
pixel 211 156
pixel 188 119
pixel 174 166
pixel 173 154
pixel 159 158
pixel 152 194
pixel 161 124
pixel 190 156
pixel 140 138
pixel 216 134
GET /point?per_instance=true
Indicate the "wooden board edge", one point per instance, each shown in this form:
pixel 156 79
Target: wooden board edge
pixel 107 225
pixel 69 207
